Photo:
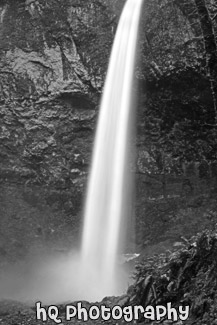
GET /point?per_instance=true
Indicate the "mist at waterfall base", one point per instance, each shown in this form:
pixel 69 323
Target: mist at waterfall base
pixel 94 272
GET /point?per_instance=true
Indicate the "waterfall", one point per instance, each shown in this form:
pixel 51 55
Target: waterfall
pixel 93 273
pixel 107 201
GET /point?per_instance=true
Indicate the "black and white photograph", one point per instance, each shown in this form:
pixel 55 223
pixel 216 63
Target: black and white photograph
pixel 108 162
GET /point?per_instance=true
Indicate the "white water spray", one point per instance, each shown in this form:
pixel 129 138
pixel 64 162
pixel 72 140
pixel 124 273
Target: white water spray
pixel 107 202
pixel 93 273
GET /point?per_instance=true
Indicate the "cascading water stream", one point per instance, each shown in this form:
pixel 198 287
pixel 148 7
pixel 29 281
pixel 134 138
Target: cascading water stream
pixel 107 202
pixel 93 273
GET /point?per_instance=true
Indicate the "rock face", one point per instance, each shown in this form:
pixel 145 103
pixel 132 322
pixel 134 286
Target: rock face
pixel 53 60
pixel 50 84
